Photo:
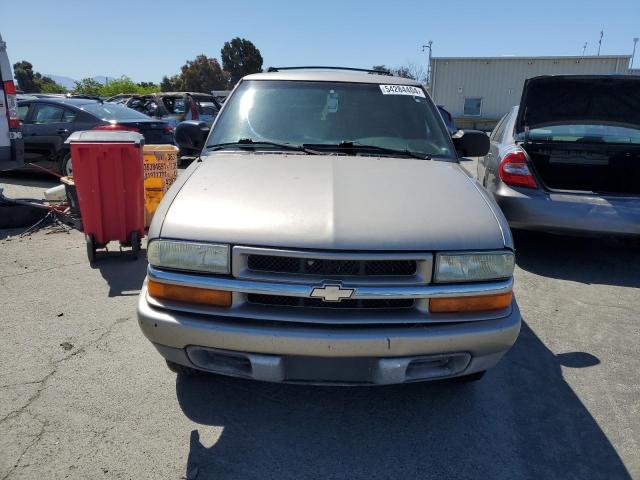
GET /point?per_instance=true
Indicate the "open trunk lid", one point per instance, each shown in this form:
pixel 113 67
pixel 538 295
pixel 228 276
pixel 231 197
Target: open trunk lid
pixel 579 99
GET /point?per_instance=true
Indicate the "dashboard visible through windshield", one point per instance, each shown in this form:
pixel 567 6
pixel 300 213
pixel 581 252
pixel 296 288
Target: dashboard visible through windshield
pixel 331 113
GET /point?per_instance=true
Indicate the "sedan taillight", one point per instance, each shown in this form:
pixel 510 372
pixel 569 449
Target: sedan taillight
pixel 12 104
pixel 514 170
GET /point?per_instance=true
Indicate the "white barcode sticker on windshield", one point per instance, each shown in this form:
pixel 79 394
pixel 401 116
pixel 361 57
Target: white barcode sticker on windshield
pixel 402 90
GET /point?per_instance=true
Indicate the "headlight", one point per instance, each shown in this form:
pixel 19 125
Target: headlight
pixel 197 257
pixel 473 266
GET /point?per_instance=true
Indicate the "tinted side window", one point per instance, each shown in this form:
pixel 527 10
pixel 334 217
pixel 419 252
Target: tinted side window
pixel 22 112
pixel 68 115
pixel 48 114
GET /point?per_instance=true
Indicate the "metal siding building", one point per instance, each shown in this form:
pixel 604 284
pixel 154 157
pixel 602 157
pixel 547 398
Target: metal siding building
pixel 498 81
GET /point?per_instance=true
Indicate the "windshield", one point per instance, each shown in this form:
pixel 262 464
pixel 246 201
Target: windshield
pixel 586 134
pixel 113 111
pixel 327 113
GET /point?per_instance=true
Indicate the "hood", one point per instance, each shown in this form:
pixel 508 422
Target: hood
pixel 580 99
pixel 329 202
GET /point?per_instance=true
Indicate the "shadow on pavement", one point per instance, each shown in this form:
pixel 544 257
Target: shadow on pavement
pixel 29 178
pixel 604 261
pixel 521 421
pixel 123 274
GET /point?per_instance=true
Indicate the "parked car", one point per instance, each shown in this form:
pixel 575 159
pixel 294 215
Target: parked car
pixel 567 160
pixel 174 107
pixel 448 119
pixel 48 121
pixel 329 235
pixel 11 142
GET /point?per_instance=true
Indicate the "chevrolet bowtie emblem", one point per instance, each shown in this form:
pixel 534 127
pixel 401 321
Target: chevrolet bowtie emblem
pixel 331 293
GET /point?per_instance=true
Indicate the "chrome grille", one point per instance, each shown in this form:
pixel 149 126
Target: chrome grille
pixel 286 301
pixel 328 267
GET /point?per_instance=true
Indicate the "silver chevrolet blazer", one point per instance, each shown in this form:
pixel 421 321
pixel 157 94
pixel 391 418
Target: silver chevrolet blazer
pixel 327 234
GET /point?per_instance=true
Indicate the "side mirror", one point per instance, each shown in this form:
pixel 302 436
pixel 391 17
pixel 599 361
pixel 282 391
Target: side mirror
pixel 471 143
pixel 191 134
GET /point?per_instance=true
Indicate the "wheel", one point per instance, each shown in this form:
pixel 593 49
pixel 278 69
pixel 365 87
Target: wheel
pixel 183 370
pixel 66 168
pixel 135 244
pixel 472 377
pixel 91 248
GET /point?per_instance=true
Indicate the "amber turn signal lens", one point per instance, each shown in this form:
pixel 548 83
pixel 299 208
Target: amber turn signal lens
pixel 478 303
pixel 202 296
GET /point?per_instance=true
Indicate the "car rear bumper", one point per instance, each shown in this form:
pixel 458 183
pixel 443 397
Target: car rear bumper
pixel 324 354
pixel 569 213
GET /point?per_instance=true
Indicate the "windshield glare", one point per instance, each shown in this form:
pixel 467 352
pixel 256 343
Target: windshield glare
pixel 586 133
pixel 297 113
pixel 113 111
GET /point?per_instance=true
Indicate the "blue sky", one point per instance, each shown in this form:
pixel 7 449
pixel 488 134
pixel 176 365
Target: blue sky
pixel 139 39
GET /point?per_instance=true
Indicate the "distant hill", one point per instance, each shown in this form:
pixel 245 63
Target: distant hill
pixel 70 83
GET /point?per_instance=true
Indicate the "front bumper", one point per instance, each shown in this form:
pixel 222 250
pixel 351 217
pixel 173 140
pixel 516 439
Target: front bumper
pixel 569 212
pixel 327 354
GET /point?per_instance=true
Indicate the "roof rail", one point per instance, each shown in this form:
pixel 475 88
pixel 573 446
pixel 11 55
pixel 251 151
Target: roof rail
pixel 315 67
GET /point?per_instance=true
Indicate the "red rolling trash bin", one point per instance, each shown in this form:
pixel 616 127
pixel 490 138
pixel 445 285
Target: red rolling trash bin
pixel 109 177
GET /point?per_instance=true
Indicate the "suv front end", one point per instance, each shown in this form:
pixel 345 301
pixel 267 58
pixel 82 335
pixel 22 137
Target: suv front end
pixel 328 235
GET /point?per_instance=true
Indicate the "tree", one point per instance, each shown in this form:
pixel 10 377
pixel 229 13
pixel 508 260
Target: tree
pixel 125 85
pixel 413 71
pixel 88 86
pixel 240 57
pixel 203 75
pixel 410 70
pixel 47 85
pixel 171 84
pixel 23 73
pixel 34 82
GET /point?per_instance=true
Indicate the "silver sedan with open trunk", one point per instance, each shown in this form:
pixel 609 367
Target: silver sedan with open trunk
pixel 567 160
pixel 328 235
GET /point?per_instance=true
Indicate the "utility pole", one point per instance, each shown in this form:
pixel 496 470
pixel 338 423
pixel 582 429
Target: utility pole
pixel 633 55
pixel 428 45
pixel 600 41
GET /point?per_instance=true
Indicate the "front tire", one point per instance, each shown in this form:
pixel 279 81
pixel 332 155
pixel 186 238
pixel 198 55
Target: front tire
pixel 66 167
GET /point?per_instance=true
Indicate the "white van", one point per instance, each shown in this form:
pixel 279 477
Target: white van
pixel 11 144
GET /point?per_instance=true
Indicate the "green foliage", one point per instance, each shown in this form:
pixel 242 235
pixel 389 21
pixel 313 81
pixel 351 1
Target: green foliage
pixel 203 75
pixel 23 73
pixel 47 85
pixel 89 86
pixel 126 85
pixel 171 84
pixel 240 57
pixel 34 82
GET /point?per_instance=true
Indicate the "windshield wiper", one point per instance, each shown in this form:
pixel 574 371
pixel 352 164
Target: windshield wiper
pixel 347 146
pixel 252 144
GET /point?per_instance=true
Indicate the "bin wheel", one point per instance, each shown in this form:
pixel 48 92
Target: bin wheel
pixel 91 248
pixel 135 244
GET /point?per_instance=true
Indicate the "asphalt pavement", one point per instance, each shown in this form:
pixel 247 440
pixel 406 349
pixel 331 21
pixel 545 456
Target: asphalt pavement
pixel 84 395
